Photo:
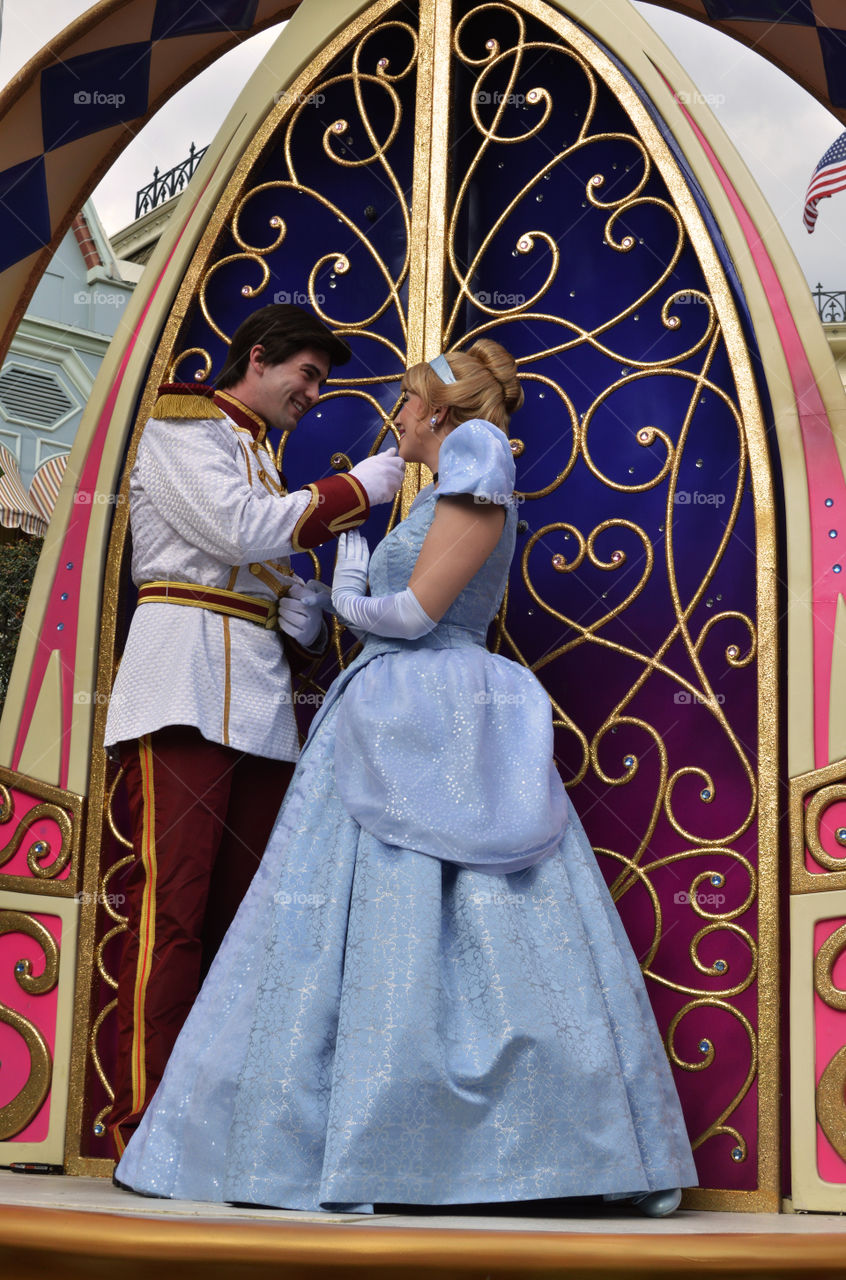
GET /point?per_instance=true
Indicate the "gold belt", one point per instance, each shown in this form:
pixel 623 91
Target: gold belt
pixel 216 599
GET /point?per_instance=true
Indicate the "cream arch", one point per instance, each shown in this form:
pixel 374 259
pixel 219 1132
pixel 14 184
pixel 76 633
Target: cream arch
pixel 61 177
pixel 51 714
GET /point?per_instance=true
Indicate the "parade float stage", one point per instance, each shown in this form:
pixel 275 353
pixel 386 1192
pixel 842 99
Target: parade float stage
pixel 66 1227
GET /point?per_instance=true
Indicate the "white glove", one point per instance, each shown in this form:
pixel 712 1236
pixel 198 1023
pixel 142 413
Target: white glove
pixel 351 564
pixel 381 475
pixel 300 615
pixel 398 615
pixel 323 592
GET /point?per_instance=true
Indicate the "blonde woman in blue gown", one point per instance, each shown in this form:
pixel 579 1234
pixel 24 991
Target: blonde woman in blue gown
pixel 427 996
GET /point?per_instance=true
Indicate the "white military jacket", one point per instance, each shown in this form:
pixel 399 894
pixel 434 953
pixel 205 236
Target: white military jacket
pixel 207 508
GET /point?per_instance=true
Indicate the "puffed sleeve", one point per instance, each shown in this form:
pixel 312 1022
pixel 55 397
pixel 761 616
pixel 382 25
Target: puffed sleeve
pixel 476 459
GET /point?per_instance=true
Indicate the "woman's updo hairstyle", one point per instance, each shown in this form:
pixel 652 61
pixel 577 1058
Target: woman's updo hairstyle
pixel 485 386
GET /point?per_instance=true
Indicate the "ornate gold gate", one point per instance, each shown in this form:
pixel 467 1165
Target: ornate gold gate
pixel 472 169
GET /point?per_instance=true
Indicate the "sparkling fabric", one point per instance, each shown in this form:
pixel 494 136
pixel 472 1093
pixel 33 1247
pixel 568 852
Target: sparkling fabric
pixel 385 1026
pixel 440 716
pixel 200 513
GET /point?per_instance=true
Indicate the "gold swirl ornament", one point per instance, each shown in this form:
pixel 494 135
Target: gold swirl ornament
pixel 17 1114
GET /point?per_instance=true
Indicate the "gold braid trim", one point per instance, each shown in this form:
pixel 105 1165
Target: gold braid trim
pixel 186 406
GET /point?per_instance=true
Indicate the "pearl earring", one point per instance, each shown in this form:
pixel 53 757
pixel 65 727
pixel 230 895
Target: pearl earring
pixel 432 421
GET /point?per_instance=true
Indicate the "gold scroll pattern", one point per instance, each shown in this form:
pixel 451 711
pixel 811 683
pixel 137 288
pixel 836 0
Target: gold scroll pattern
pixel 812 796
pixel 45 859
pixel 516 71
pixel 17 1114
pixel 115 925
pixel 830 1096
pixel 355 250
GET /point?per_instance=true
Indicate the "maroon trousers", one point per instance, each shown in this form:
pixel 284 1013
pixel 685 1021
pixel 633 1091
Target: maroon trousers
pixel 202 814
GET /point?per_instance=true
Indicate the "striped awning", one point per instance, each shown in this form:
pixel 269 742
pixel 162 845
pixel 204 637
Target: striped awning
pixel 46 483
pixel 16 509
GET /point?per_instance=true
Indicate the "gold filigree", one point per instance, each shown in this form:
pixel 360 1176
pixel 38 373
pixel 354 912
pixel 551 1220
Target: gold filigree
pixel 94 1051
pixel 699 333
pixel 198 375
pixel 39 853
pixel 709 1056
pixel 811 795
pixel 817 806
pixel 824 963
pixel 17 1114
pixel 288 114
pixel 693 653
pixel 831 1111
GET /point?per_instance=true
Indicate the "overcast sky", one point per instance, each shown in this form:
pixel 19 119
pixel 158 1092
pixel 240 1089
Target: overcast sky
pixel 778 128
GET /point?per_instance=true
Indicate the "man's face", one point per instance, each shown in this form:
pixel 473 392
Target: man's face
pixel 282 393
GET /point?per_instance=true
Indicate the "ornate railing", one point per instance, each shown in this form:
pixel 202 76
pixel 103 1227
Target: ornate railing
pixel 831 304
pixel 168 184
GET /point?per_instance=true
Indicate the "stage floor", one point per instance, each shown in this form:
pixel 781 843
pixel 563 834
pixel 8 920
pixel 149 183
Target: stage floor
pixel 84 1227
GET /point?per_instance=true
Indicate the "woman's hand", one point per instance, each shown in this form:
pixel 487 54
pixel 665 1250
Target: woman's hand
pixel 351 566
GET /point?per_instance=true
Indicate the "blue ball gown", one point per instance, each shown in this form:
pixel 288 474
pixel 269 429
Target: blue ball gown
pixel 427 996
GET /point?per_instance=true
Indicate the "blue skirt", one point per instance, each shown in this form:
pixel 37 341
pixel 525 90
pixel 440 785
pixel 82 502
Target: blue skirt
pixel 383 1027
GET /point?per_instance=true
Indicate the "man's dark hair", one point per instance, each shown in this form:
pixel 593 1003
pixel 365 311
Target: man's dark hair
pixel 283 330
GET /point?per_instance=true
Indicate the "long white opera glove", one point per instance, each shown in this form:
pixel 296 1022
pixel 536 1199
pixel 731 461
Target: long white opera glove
pixel 381 475
pixel 300 614
pixel 399 615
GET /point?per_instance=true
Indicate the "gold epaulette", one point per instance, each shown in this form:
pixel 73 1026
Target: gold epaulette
pixel 186 400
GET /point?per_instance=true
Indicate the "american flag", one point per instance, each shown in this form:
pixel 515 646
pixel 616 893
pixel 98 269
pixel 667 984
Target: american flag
pixel 828 178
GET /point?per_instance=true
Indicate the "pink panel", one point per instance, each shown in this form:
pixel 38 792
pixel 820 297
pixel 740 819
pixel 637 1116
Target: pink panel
pixel 39 1010
pixel 829 1037
pixel 43 829
pixel 61 620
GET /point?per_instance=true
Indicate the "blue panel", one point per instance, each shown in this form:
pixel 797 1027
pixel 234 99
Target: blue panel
pixel 94 91
pixel 178 18
pixel 833 45
pixel 797 12
pixel 23 194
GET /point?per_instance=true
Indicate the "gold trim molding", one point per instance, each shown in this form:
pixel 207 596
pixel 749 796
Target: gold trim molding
pixel 810 795
pixel 46 859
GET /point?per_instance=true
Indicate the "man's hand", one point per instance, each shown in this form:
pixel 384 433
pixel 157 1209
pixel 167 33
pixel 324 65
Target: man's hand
pixel 381 475
pixel 300 614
